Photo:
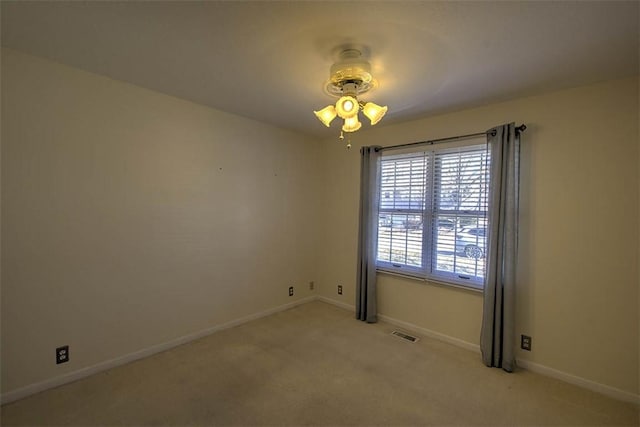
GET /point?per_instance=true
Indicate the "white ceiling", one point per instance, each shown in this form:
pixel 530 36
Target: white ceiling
pixel 269 60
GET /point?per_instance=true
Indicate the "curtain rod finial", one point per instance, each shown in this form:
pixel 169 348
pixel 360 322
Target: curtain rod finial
pixel 521 128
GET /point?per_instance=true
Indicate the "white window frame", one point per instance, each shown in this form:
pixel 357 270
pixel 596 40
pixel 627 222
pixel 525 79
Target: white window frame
pixel 429 211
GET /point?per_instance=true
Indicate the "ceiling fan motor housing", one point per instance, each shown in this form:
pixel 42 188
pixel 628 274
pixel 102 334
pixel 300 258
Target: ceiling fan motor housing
pixel 351 75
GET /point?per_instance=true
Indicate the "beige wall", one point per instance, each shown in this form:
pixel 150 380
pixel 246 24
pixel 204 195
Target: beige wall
pixel 131 218
pixel 577 291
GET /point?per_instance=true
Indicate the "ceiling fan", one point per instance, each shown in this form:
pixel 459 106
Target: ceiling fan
pixel 349 77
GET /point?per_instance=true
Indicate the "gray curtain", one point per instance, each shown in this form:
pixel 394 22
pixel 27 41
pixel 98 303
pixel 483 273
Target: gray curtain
pixel 497 340
pixel 366 307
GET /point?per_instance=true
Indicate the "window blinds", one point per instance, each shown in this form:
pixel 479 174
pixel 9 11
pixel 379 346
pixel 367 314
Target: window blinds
pixel 432 217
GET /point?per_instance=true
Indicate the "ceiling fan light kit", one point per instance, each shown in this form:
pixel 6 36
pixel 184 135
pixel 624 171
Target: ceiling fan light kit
pixel 347 107
pixel 374 112
pixel 326 115
pixel 350 77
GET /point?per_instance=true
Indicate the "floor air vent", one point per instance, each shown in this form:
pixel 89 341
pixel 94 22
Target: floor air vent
pixel 404 336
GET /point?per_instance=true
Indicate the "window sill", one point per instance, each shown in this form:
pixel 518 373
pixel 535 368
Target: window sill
pixel 435 282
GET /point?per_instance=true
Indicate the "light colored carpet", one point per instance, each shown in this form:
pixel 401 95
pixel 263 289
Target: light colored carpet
pixel 316 364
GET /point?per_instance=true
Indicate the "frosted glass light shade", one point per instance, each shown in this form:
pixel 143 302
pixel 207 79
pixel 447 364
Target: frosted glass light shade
pixel 347 107
pixel 326 115
pixel 351 124
pixel 374 112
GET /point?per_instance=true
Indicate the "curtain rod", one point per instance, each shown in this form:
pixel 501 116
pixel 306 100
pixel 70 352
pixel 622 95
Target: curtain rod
pixel 520 128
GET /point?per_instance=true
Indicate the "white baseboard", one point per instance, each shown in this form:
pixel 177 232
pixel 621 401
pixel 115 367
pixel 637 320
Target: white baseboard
pixel 337 303
pixel 530 366
pixel 613 392
pixel 127 358
pixel 431 334
pixel 410 327
pixel 91 370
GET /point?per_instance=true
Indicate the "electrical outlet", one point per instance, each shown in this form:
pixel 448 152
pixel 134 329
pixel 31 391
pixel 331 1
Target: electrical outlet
pixel 290 291
pixel 311 285
pixel 339 289
pixel 62 354
pixel 525 342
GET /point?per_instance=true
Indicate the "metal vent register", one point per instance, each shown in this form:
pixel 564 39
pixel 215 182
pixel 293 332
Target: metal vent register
pixel 404 336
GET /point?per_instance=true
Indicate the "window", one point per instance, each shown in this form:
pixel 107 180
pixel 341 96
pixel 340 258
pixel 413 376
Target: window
pixel 433 213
